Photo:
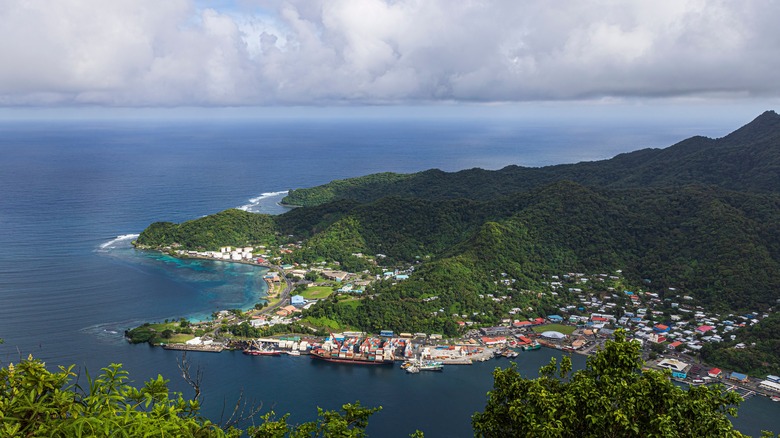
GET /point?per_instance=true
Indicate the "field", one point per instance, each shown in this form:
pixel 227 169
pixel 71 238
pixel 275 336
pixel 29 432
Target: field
pixel 317 292
pixel 565 329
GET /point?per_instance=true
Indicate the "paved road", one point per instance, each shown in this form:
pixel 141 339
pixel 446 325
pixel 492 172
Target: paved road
pixel 284 297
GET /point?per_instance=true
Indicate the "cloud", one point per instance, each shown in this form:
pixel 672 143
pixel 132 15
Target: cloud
pixel 319 52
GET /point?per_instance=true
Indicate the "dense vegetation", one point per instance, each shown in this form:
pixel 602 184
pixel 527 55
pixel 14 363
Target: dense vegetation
pixel 746 160
pixel 610 397
pixel 702 216
pixel 761 352
pixel 332 191
pixel 228 228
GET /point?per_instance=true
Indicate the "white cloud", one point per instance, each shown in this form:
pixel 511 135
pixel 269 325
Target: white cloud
pixel 181 52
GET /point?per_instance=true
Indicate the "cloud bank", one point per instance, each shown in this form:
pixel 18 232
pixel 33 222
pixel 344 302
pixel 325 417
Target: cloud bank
pixel 323 52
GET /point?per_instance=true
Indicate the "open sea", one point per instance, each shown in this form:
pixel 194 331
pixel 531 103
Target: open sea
pixel 74 194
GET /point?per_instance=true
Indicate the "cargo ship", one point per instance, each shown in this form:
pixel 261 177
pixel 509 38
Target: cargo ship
pixel 354 351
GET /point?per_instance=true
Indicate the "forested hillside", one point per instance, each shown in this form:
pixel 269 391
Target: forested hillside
pixel 746 160
pixel 702 216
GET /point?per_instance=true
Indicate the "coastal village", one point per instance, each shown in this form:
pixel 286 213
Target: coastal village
pixel 671 328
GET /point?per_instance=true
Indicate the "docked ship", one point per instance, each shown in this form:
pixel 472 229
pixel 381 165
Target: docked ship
pixel 356 351
pixel 416 365
pixel 255 350
pixel 534 346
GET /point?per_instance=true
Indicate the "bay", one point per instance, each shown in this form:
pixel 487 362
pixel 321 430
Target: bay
pixel 74 194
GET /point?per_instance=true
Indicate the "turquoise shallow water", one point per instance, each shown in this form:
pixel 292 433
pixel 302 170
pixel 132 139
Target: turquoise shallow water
pixel 69 286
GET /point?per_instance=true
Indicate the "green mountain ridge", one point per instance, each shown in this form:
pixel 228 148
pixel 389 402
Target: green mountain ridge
pixel 748 159
pixel 657 214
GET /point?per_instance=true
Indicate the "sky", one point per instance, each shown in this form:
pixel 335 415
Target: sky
pixel 497 56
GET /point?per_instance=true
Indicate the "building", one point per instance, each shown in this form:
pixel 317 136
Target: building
pixel 770 385
pixel 715 372
pixel 739 377
pixel 489 341
pixel 661 328
pixel 679 368
pixel 704 328
pixel 297 300
pixel 555 318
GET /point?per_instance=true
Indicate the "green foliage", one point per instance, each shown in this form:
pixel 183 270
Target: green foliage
pixel 228 228
pixel 349 423
pixel 337 189
pixel 761 354
pixel 611 397
pixel 36 402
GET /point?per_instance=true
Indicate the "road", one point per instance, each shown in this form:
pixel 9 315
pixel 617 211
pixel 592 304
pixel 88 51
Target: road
pixel 284 297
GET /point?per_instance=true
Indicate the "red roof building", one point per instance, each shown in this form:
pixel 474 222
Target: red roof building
pixel 704 328
pixel 715 372
pixel 493 341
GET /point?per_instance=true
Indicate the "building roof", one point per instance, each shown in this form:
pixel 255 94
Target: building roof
pixel 704 328
pixel 673 364
pixel 552 334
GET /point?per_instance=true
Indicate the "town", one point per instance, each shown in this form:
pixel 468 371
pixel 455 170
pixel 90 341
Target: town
pixel 671 327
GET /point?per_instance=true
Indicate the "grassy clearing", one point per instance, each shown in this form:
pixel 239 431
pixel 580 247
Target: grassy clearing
pixel 322 322
pixel 565 329
pixel 350 303
pixel 317 292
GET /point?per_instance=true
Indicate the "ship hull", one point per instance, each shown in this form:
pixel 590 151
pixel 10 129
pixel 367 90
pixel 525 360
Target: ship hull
pixel 351 361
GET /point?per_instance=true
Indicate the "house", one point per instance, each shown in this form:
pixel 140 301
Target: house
pixel 674 345
pixel 715 372
pixel 704 328
pixel 661 328
pixel 555 318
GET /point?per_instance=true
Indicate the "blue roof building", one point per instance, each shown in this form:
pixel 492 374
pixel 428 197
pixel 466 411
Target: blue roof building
pixel 555 318
pixel 738 376
pixel 297 300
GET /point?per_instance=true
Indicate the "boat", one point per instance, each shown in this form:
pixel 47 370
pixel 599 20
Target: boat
pixel 534 346
pixel 417 365
pixel 256 350
pixel 294 353
pixel 775 398
pixel 268 352
pixel 371 351
pixel 354 359
pixel 430 365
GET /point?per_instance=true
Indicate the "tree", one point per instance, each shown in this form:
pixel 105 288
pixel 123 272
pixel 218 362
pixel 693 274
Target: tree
pixel 38 402
pixel 611 397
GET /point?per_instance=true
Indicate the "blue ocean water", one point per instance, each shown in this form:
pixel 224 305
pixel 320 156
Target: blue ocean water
pixel 73 195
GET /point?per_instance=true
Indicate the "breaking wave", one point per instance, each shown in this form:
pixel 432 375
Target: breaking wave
pixel 255 203
pixel 113 242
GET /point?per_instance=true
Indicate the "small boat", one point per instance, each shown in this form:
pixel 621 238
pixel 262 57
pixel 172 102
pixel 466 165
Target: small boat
pixel 294 353
pixel 775 398
pixel 431 366
pixel 534 346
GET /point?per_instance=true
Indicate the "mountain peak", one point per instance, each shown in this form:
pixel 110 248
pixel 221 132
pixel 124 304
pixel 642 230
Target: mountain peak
pixel 768 123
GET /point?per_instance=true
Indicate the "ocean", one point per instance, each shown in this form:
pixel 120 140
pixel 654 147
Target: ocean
pixel 74 194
